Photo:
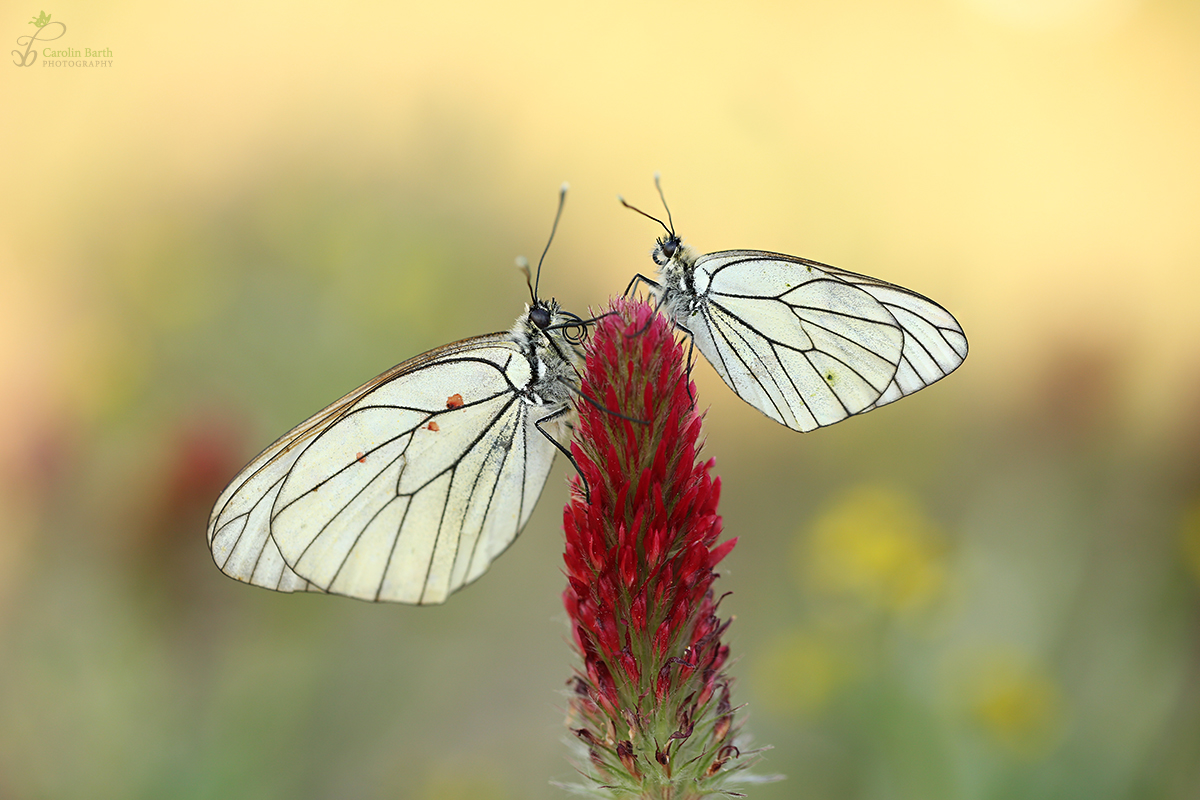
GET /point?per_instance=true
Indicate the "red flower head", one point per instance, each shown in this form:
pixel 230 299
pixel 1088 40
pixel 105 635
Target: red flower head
pixel 651 704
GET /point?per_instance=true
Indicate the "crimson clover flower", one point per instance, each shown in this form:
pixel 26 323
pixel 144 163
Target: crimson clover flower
pixel 650 708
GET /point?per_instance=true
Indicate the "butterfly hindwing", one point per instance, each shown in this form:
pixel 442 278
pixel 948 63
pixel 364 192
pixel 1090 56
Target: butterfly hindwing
pixel 934 342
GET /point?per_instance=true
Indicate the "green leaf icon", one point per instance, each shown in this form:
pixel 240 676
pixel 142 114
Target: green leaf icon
pixel 41 20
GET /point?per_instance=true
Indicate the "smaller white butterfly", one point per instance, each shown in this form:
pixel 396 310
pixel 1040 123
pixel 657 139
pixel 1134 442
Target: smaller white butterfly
pixel 805 343
pixel 407 488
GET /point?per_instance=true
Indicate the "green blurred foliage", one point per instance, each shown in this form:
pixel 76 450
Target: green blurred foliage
pixel 986 591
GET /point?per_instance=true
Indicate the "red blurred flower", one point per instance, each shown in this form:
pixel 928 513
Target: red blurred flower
pixel 651 704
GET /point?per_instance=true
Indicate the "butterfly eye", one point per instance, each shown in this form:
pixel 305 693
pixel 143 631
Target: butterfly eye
pixel 668 247
pixel 540 317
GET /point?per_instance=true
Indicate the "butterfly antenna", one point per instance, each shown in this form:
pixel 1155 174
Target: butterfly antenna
pixel 523 265
pixel 661 196
pixel 647 216
pixel 562 198
pixel 574 321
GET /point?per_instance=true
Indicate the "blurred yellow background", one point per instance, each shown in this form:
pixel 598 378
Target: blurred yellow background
pixel 986 591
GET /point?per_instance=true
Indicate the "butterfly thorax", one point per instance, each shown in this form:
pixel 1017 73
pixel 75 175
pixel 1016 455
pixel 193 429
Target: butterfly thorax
pixel 551 360
pixel 678 293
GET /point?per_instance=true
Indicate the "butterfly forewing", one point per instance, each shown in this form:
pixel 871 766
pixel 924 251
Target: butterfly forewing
pixel 401 519
pixel 797 342
pixel 805 343
pixel 239 528
pixel 406 489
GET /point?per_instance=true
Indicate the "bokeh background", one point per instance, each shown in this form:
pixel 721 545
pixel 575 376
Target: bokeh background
pixel 989 590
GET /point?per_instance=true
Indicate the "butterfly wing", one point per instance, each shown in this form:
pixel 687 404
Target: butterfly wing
pixel 405 490
pixel 934 343
pixel 808 344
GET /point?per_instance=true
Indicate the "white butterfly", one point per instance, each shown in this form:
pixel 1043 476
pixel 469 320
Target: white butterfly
pixel 805 343
pixel 407 488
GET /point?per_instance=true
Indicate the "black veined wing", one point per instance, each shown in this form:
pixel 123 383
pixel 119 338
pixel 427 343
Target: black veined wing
pixel 407 488
pixel 805 343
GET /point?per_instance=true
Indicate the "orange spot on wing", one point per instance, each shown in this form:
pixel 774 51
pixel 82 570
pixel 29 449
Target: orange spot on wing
pixel 454 401
pixel 433 426
pixel 361 458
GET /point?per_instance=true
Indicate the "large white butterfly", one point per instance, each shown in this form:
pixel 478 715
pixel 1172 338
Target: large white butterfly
pixel 805 343
pixel 407 488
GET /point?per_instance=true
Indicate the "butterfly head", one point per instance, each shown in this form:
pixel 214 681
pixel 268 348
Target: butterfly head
pixel 544 321
pixel 667 248
pixel 537 321
pixel 541 315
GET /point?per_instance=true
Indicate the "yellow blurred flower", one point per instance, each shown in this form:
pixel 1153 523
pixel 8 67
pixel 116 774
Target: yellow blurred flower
pixel 1017 704
pixel 876 545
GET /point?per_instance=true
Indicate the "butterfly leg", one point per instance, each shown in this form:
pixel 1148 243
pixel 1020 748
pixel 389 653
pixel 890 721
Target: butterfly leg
pixel 691 361
pixel 597 404
pixel 639 278
pixel 566 451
